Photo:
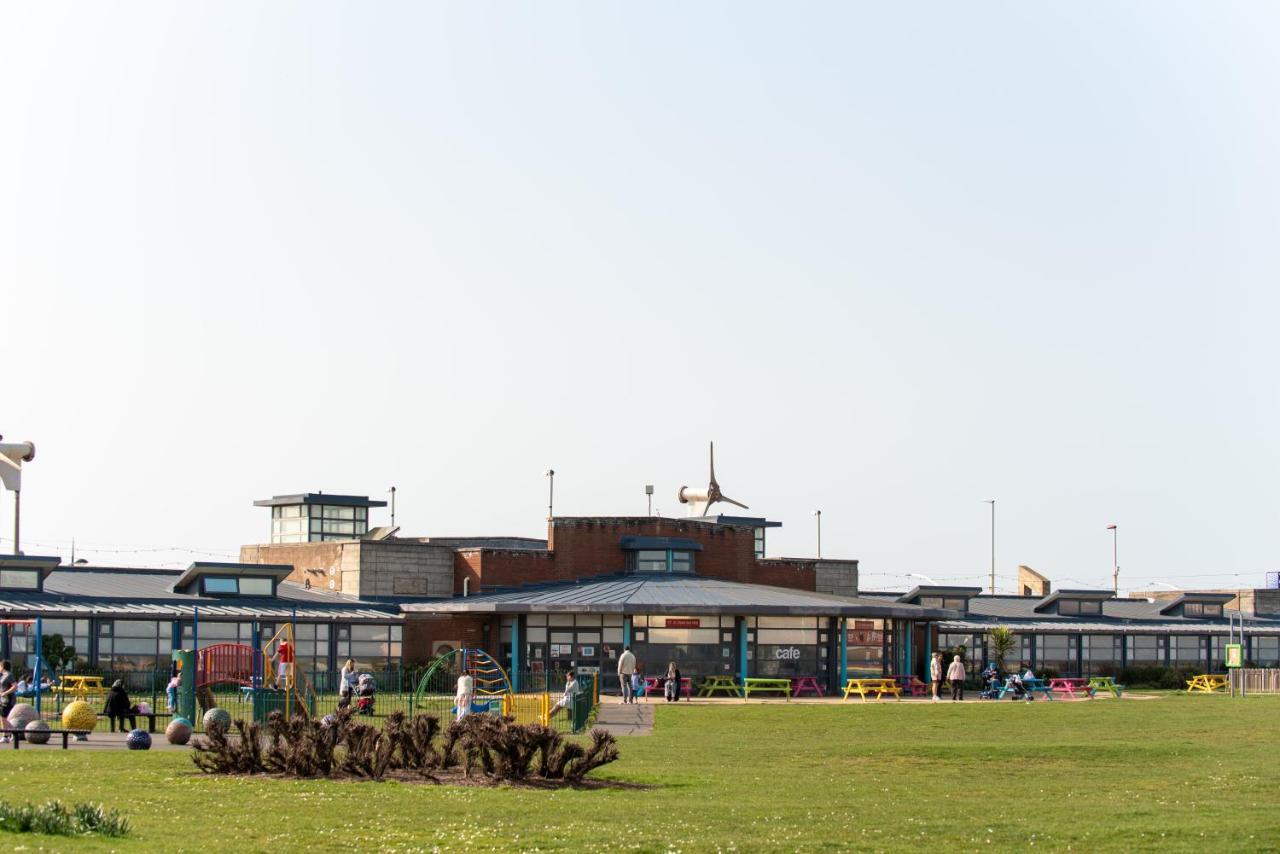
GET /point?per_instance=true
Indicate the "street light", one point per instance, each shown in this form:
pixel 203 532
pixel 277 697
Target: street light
pixel 648 494
pixel 992 502
pixel 1115 561
pixel 818 515
pixel 551 492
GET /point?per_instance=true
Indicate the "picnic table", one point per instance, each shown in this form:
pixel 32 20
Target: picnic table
pixel 712 684
pixel 655 685
pixel 1068 686
pixel 82 687
pixel 879 687
pixel 800 684
pixel 1207 683
pixel 761 685
pixel 911 683
pixel 1106 683
pixel 1032 685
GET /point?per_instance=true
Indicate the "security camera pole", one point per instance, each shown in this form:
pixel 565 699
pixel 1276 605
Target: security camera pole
pixel 12 456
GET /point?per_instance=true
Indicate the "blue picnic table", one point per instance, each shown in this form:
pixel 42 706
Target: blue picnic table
pixel 1032 685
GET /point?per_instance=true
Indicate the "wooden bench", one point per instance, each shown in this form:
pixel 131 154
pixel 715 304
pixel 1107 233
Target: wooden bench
pixel 712 684
pixel 879 687
pixel 760 685
pixel 150 716
pixel 20 735
pixel 1206 683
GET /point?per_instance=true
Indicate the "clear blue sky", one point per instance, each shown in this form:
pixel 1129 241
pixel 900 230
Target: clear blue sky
pixel 894 260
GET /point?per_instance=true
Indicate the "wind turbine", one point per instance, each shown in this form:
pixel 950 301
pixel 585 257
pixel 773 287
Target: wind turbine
pixel 700 500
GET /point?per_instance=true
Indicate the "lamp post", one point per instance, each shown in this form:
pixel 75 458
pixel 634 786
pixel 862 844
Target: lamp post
pixel 551 492
pixel 992 502
pixel 1115 560
pixel 392 490
pixel 818 515
pixel 648 494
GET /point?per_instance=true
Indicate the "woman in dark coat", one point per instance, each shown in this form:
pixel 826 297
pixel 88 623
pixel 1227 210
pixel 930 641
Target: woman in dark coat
pixel 117 705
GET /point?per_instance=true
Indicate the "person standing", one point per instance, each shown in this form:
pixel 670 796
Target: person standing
pixel 672 686
pixel 466 693
pixel 955 674
pixel 626 668
pixel 118 708
pixel 346 683
pixel 637 684
pixel 284 668
pixel 935 674
pixel 7 689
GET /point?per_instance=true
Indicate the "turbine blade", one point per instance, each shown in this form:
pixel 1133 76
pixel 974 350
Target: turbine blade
pixel 731 501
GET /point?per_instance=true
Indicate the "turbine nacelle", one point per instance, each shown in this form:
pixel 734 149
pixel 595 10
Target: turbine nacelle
pixel 12 456
pixel 700 500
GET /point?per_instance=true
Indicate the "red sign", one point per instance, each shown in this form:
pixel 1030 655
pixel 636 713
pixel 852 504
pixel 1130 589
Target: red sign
pixel 683 623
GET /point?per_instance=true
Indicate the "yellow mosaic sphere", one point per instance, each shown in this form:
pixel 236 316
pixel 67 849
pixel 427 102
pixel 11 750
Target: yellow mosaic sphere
pixel 79 715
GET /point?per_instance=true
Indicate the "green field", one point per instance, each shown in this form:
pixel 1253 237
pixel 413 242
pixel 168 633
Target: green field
pixel 1178 772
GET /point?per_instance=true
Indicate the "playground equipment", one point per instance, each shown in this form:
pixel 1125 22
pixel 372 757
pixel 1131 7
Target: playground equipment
pixel 36 732
pixel 79 715
pixel 138 739
pixel 178 731
pixel 268 676
pixel 217 717
pixel 39 668
pixel 21 715
pixel 437 686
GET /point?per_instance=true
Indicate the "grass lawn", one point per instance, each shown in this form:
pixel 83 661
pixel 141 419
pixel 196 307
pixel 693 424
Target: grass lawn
pixel 1179 772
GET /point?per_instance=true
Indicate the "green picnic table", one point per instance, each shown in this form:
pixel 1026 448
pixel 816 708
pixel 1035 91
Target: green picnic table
pixel 1106 683
pixel 759 685
pixel 712 684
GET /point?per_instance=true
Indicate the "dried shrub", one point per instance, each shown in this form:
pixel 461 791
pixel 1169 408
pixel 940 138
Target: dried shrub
pixel 219 754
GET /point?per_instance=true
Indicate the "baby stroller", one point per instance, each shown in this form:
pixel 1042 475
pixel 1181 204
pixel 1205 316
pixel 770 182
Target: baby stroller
pixel 990 684
pixel 1020 691
pixel 364 692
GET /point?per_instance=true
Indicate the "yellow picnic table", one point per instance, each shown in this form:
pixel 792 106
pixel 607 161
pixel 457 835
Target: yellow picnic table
pixel 879 687
pixel 712 684
pixel 761 685
pixel 82 687
pixel 1207 682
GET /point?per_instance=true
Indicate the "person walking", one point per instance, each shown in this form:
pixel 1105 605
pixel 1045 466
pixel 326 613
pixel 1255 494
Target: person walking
pixel 637 684
pixel 935 675
pixel 626 669
pixel 955 674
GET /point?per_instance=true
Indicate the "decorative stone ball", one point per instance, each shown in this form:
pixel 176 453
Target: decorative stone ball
pixel 178 731
pixel 138 739
pixel 21 715
pixel 79 715
pixel 179 719
pixel 217 717
pixel 37 732
pixel 144 708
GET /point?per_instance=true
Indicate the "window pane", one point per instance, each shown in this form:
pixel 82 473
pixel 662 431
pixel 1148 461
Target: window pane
pixel 255 586
pixel 19 579
pixel 218 584
pixel 136 629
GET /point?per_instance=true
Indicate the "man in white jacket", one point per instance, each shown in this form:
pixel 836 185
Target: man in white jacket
pixel 626 667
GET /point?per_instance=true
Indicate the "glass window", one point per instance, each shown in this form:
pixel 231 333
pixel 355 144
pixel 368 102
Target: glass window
pixel 220 584
pixel 1187 651
pixel 651 561
pixel 1147 649
pixel 1213 610
pixel 930 601
pixel 1098 653
pixel 1056 652
pixel 759 544
pixel 682 561
pixel 255 586
pixel 20 579
pixel 957 602
pixel 1264 650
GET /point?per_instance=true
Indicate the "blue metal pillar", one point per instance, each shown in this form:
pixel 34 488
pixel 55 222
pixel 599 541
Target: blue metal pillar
pixel 844 653
pixel 742 649
pixel 39 653
pixel 516 644
pixel 928 653
pixel 626 631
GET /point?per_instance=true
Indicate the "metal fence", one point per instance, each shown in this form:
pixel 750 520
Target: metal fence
pixel 393 691
pixel 1258 680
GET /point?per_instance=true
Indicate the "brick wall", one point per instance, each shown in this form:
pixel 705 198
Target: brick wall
pixel 310 561
pixel 423 631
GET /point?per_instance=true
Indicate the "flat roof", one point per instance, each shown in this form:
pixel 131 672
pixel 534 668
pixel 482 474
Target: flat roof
pixel 672 594
pixel 319 498
pixel 278 571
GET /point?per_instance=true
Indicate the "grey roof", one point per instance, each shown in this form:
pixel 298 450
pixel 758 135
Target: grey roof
pixel 90 591
pixel 1083 595
pixel 938 590
pixel 1118 615
pixel 319 498
pixel 1205 598
pixel 637 594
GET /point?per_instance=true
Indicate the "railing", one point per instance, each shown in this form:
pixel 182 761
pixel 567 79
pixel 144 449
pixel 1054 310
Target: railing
pixel 1256 680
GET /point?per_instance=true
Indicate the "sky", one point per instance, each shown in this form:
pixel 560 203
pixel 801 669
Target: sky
pixel 894 259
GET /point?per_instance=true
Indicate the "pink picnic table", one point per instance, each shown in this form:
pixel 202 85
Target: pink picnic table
pixel 801 684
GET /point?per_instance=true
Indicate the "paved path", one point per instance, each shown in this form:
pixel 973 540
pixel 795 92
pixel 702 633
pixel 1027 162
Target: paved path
pixel 626 719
